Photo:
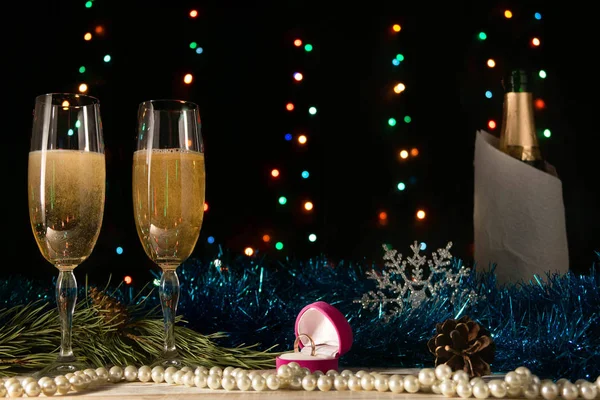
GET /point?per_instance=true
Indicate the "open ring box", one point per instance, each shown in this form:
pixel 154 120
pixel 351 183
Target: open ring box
pixel 323 335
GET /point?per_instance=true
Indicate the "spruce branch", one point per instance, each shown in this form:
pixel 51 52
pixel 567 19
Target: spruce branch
pixel 105 332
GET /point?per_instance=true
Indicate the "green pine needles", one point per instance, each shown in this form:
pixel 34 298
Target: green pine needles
pixel 105 332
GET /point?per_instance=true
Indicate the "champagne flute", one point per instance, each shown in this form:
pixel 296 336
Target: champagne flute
pixel 66 185
pixel 168 198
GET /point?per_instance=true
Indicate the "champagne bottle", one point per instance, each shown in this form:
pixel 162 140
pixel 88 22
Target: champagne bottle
pixel 517 135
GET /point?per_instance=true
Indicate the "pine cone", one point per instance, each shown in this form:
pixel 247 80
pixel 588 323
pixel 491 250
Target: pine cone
pixel 463 345
pixel 109 308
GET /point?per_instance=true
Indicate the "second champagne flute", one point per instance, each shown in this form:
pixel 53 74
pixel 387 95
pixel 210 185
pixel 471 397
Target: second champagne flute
pixel 168 198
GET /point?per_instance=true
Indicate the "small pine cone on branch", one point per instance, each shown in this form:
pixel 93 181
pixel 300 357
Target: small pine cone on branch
pixel 463 344
pixel 111 310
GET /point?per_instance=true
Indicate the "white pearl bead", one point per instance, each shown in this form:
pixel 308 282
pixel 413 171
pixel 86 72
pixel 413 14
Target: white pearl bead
pixel 178 377
pixel 169 375
pixel 481 390
pixel 579 382
pixel 200 370
pixel 26 380
pixel 548 390
pixel 235 372
pixel 560 383
pixel 569 391
pixel 11 381
pixel 309 383
pixel 15 390
pixel 130 373
pixel 91 373
pixel 284 371
pixel 512 379
pixel 273 382
pixel 227 371
pixel 186 369
pixel 324 383
pixel 188 379
pixel 448 387
pixel 102 374
pixel 86 380
pixel 228 382
pixel 411 384
pixel 435 387
pixel 243 382
pixel 158 374
pixel 354 383
pixel 514 391
pixel 498 388
pixel 144 374
pixel 464 389
pixel 347 373
pixel 201 380
pixel 476 380
pixel 381 383
pixel 213 381
pixel 295 382
pixel 427 376
pixel 598 382
pixel 396 383
pixel 443 371
pixel 332 373
pixel 460 375
pixel 62 384
pixel 588 391
pixel 318 373
pixel 49 388
pixel 216 371
pixel 367 382
pixel 536 379
pixel 32 389
pixel 2 389
pixel 115 374
pixel 259 383
pixel 532 391
pixel 252 374
pixel 340 383
pixel 525 375
pixel 76 382
pixel 361 373
pixel 294 366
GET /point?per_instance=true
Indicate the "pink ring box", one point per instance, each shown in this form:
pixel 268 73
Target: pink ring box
pixel 331 334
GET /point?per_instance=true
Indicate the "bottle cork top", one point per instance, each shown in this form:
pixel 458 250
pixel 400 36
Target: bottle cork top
pixel 516 81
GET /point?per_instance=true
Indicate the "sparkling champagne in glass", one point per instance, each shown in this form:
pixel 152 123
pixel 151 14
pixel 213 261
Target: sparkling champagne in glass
pixel 66 185
pixel 168 198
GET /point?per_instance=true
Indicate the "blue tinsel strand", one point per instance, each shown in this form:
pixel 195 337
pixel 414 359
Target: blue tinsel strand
pixel 550 325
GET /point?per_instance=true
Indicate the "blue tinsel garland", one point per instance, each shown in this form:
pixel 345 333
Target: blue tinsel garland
pixel 551 325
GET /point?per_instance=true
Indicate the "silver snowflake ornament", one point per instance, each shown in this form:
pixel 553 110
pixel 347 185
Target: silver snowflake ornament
pixel 404 282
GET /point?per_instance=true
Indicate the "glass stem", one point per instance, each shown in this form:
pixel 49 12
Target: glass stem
pixel 66 297
pixel 169 297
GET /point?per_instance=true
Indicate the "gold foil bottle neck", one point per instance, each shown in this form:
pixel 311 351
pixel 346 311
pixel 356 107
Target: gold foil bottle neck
pixel 518 137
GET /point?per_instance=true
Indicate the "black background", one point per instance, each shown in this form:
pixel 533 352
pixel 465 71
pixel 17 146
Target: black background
pixel 244 79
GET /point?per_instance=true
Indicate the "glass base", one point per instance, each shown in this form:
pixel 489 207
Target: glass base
pixel 167 362
pixel 61 366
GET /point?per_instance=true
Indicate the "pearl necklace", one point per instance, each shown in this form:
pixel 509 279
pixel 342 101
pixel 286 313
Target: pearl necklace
pixel 441 380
